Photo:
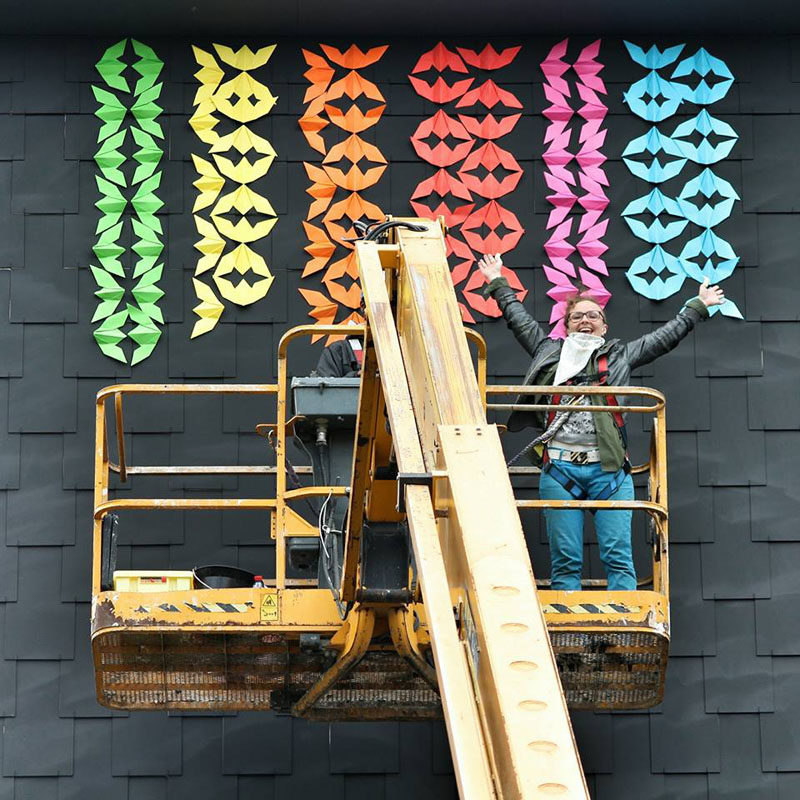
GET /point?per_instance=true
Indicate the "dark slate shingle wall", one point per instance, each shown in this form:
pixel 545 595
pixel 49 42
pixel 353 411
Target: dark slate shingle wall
pixel 730 723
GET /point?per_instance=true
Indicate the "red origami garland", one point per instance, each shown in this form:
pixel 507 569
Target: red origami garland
pixel 464 182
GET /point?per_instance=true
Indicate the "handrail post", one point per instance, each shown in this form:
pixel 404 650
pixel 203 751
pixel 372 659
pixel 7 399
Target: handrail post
pixel 123 473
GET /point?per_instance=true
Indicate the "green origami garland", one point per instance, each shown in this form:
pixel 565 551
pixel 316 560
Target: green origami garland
pixel 144 314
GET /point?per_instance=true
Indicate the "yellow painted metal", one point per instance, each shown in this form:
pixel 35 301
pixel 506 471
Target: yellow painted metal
pixel 526 726
pixel 355 637
pixel 470 755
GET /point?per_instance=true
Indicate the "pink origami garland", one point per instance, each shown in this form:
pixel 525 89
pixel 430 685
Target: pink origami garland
pixel 465 166
pixel 561 180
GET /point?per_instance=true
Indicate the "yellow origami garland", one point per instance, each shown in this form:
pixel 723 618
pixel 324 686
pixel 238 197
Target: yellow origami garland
pixel 225 245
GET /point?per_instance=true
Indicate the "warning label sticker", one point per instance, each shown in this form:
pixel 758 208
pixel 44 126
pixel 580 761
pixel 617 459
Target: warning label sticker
pixel 269 608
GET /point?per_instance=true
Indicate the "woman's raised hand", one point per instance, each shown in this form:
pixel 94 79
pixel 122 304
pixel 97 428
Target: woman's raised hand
pixel 490 266
pixel 711 295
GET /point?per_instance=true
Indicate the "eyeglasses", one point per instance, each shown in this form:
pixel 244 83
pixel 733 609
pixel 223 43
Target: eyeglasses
pixel 577 316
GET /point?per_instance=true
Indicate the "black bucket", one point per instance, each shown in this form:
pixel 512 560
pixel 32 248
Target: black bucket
pixel 222 577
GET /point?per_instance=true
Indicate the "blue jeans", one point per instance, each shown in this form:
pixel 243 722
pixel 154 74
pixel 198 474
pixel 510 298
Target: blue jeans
pixel 565 529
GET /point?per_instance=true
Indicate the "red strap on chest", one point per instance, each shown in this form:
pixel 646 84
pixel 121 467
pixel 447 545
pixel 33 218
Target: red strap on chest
pixel 611 400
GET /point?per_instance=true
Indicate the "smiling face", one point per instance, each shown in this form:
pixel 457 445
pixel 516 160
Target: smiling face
pixel 579 322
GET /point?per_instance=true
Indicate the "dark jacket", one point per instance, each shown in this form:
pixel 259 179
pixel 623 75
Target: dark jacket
pixel 623 357
pixel 338 360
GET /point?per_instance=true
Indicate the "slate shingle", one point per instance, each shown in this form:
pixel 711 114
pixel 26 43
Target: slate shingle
pixel 364 747
pixel 243 738
pixel 39 625
pixel 774 506
pixel 736 679
pixel 35 742
pixel 146 743
pixel 766 395
pixel 683 737
pixel 776 630
pixel 779 730
pixel 734 566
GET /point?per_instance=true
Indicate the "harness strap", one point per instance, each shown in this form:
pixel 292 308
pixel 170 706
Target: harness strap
pixel 577 492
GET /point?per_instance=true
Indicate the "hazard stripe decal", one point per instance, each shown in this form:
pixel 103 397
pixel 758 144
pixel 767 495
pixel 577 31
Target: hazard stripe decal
pixel 200 608
pixel 590 608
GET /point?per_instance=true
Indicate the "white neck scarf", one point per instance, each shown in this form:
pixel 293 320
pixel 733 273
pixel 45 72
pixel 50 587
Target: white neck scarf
pixel 575 355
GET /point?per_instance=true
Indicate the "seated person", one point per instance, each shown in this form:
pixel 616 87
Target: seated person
pixel 585 454
pixel 340 359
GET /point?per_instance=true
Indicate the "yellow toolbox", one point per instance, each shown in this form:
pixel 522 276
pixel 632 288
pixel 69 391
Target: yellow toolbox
pixel 153 580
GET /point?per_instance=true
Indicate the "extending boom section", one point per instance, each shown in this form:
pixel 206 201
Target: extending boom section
pixel 505 711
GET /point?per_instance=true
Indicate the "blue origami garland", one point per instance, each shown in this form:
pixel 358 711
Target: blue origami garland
pixel 662 157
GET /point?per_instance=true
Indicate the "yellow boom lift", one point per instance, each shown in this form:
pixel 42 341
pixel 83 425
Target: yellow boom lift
pixel 418 599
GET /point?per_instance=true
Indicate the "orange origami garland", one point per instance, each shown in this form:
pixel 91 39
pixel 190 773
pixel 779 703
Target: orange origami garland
pixel 352 104
pixel 463 147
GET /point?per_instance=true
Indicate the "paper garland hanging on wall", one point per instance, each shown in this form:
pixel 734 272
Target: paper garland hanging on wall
pixel 123 110
pixel 228 252
pixel 658 158
pixel 338 182
pixel 462 145
pixel 575 176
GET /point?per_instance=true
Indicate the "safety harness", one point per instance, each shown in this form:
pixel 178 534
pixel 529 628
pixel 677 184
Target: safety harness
pixel 615 481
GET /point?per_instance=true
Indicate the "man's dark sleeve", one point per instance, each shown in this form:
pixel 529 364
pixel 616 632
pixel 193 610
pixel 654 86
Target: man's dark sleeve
pixel 337 361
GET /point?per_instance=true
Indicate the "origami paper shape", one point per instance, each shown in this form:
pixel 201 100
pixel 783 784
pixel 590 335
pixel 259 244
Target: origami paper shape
pixel 654 58
pixel 493 215
pixel 149 66
pixel 354 57
pixel 243 140
pixel 489 94
pixel 209 76
pixel 209 309
pixel 110 110
pixel 243 260
pixel 145 334
pixel 654 142
pixel 441 126
pixel 111 204
pixel 243 87
pixel 354 85
pixel 705 152
pixel 110 294
pixel 145 109
pixel 243 200
pixel 108 251
pixel 666 97
pixel 203 123
pixel 488 58
pixel 354 120
pixel 111 68
pixel 707 184
pixel 702 62
pixel 244 58
pixel 439 59
pixel 702 248
pixel 440 91
pixel 660 263
pixel 147 293
pixel 109 334
pixel 553 67
pixel 587 68
pixel 489 127
pixel 320 248
pixel 147 156
pixel 442 183
pixel 656 232
pixel 211 245
pixel 109 159
pixel 490 156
